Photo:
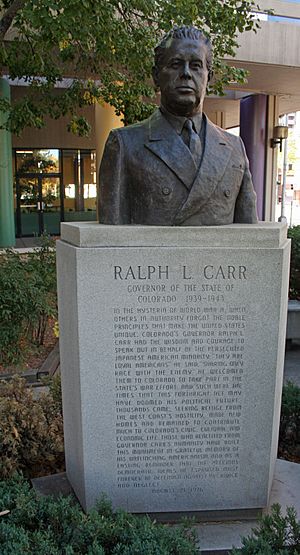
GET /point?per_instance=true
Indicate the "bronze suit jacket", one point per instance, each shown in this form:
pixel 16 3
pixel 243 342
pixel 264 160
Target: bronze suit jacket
pixel 148 176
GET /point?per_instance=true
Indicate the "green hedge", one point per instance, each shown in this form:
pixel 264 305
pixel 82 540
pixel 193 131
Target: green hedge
pixel 27 299
pixel 289 431
pixel 276 534
pixel 31 429
pixel 294 234
pixel 39 525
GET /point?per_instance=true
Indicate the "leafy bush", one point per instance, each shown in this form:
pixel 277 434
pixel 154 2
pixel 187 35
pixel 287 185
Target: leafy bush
pixel 275 535
pixel 27 298
pixel 43 526
pixel 294 234
pixel 31 430
pixel 289 432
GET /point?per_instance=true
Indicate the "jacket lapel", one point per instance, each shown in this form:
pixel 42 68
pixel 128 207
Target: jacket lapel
pixel 165 143
pixel 217 153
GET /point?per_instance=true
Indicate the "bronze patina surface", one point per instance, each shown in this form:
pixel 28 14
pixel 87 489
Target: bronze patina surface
pixel 177 167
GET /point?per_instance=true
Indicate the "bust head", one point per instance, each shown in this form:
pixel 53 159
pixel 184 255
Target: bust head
pixel 182 69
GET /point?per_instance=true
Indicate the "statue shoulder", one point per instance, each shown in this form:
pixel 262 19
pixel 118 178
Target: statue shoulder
pixel 234 141
pixel 139 127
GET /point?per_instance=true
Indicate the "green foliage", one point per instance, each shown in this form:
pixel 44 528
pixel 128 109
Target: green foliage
pixel 294 235
pixel 44 526
pixel 31 430
pixel 275 535
pixel 289 432
pixel 27 298
pixel 54 384
pixel 108 45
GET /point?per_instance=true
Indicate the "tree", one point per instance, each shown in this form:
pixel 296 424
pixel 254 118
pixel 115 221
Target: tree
pixel 105 47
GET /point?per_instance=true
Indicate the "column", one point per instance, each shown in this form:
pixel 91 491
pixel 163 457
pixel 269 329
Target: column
pixel 7 225
pixel 253 117
pixel 271 160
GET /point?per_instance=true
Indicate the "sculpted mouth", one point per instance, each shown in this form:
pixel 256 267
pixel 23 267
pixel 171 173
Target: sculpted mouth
pixel 185 88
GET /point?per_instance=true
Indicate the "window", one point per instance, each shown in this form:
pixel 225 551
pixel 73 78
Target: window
pixel 38 161
pixel 79 184
pixel 51 186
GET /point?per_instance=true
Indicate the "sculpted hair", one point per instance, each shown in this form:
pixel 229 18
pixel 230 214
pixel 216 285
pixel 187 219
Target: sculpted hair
pixel 184 32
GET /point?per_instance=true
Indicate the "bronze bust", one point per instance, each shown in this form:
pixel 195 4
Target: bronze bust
pixel 176 167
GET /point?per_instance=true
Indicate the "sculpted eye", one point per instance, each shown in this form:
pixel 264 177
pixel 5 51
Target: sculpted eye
pixel 174 64
pixel 196 65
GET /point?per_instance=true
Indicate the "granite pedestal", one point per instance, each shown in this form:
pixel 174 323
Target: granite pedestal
pixel 172 345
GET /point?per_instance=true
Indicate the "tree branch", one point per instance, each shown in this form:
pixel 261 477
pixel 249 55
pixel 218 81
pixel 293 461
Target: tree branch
pixel 7 18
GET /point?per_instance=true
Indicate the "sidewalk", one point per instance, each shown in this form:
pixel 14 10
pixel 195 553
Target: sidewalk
pixel 28 242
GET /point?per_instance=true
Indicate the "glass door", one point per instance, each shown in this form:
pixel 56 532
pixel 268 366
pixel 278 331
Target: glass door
pixel 38 205
pixel 51 207
pixel 29 202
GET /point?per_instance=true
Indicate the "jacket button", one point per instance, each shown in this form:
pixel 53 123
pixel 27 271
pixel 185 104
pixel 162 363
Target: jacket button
pixel 166 190
pixel 227 193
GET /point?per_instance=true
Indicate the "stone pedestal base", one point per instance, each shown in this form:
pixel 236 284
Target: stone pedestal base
pixel 172 344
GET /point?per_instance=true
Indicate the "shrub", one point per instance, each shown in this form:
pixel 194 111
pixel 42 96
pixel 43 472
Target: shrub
pixel 44 526
pixel 31 430
pixel 27 298
pixel 275 535
pixel 289 431
pixel 294 235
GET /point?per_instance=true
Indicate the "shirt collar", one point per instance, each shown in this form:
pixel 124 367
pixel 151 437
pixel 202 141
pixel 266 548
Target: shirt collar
pixel 178 121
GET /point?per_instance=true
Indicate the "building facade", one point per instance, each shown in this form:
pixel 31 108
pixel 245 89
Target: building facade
pixel 54 173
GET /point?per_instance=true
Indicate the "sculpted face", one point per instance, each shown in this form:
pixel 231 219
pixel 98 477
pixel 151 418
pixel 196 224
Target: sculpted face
pixel 182 77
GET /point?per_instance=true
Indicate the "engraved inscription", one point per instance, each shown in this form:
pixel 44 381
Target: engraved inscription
pixel 179 346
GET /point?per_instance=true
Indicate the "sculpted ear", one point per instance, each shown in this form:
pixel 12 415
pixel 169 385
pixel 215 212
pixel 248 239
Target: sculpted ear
pixel 210 75
pixel 155 73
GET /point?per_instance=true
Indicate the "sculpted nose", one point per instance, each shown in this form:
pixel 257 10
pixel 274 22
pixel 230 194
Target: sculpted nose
pixel 186 72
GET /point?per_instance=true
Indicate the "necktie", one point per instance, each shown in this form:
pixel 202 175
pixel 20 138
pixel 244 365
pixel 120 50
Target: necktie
pixel 192 139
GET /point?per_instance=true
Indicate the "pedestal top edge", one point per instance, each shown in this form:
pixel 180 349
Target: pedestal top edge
pixel 91 234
